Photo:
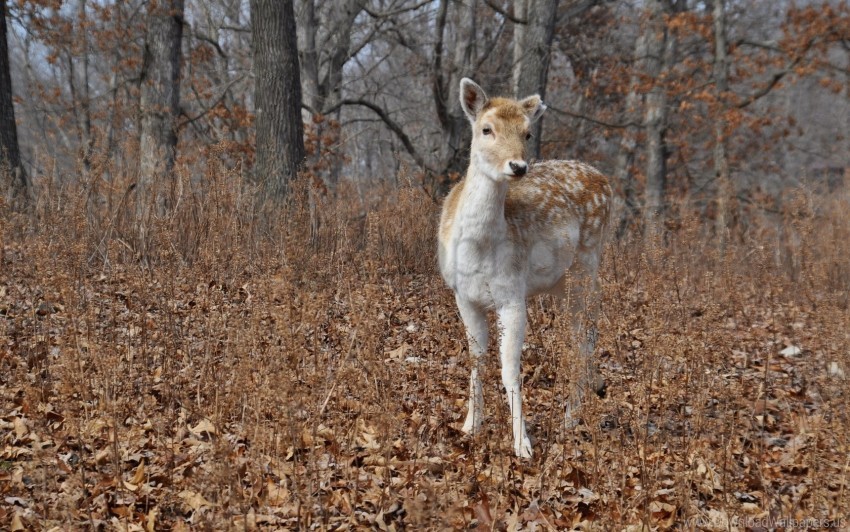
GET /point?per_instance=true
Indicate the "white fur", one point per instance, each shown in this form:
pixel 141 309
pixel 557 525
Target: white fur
pixel 491 266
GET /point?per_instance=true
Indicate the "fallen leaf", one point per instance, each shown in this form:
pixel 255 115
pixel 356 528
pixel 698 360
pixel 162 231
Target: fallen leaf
pixel 400 352
pixel 482 513
pixel 791 351
pixel 20 428
pixel 194 499
pixel 17 523
pixel 204 426
pixel 16 501
pixel 139 474
pixel 150 520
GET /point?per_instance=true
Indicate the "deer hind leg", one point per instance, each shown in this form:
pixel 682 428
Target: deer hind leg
pixel 475 321
pixel 512 322
pixel 581 297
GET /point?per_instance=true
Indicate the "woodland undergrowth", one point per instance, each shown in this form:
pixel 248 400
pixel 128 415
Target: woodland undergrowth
pixel 290 367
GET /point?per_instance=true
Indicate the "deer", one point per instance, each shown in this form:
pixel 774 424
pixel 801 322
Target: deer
pixel 510 230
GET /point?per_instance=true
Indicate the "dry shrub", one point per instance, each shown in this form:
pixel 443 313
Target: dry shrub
pixel 302 365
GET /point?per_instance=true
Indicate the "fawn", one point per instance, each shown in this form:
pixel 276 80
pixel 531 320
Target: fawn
pixel 509 231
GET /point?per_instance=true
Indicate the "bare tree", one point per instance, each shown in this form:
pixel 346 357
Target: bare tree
pixel 445 88
pixel 433 55
pixel 721 85
pixel 532 46
pixel 660 51
pixel 277 95
pixel 160 97
pixel 10 155
pixel 325 50
pixel 520 24
pixel 626 154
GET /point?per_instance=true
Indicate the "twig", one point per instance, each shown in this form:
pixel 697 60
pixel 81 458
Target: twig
pixel 596 121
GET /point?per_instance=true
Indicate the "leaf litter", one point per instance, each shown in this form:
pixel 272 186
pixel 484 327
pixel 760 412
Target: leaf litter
pixel 248 402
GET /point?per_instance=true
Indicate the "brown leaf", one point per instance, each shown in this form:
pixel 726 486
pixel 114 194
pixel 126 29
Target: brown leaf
pixel 124 512
pixel 276 495
pixel 150 519
pixel 204 426
pixel 139 474
pixel 664 514
pixel 180 526
pixel 17 523
pixel 194 499
pixel 20 428
pixel 401 352
pixel 482 512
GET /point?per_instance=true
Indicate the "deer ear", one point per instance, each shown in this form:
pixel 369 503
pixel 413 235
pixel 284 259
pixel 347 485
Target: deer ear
pixel 472 98
pixel 533 107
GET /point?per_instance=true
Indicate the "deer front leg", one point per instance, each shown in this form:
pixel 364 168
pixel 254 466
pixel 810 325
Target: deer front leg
pixel 475 321
pixel 512 321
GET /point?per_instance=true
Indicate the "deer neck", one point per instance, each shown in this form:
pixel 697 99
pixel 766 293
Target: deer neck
pixel 482 209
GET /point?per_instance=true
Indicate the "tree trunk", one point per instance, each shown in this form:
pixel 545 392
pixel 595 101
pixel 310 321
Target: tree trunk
pixel 721 85
pixel 10 156
pixel 453 152
pixel 322 63
pixel 466 53
pixel 521 13
pixel 534 61
pixel 84 115
pixel 626 156
pixel 160 103
pixel 658 58
pixel 277 95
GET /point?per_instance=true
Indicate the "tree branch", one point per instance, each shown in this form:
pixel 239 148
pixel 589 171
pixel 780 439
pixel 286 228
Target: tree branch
pixel 577 8
pixel 394 126
pixel 504 13
pixel 757 95
pixel 374 14
pixel 756 44
pixel 190 120
pixel 592 120
pixel 207 39
pixel 438 88
pixel 777 76
pixel 490 47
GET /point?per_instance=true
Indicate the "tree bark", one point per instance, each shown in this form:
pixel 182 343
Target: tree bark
pixel 658 58
pixel 10 155
pixel 466 55
pixel 721 85
pixel 160 102
pixel 445 89
pixel 536 45
pixel 521 13
pixel 277 95
pixel 626 156
pixel 323 57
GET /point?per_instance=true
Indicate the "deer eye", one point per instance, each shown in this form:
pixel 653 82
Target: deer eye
pixel 487 131
pixel 528 136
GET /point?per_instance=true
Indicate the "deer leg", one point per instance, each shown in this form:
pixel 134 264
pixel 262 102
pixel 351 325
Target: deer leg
pixel 475 320
pixel 512 321
pixel 582 298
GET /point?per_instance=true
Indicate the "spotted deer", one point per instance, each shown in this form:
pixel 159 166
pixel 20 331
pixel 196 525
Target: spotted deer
pixel 510 230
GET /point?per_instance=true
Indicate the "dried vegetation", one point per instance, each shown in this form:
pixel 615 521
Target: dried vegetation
pixel 253 373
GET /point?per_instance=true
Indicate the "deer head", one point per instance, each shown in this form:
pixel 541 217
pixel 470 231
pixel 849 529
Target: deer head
pixel 500 130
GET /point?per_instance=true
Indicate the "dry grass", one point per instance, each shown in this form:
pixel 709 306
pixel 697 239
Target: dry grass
pixel 254 372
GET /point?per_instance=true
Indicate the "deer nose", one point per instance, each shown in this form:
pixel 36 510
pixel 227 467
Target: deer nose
pixel 519 169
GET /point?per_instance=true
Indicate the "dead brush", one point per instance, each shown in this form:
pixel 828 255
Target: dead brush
pixel 247 377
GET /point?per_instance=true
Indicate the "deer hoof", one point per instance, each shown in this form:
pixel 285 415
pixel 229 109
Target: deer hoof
pixel 523 448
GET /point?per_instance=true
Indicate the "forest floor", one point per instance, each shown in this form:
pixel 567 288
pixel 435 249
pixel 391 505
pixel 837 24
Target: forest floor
pixel 252 382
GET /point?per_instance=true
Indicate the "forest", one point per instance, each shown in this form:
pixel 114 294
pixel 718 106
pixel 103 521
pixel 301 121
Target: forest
pixel 220 296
